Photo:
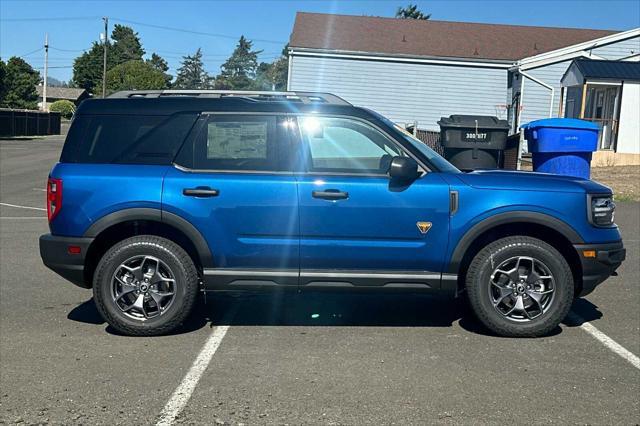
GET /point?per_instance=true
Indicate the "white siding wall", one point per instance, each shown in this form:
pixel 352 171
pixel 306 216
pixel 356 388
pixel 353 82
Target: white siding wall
pixel 404 92
pixel 536 98
pixel 629 131
pixel 535 104
pixel 619 50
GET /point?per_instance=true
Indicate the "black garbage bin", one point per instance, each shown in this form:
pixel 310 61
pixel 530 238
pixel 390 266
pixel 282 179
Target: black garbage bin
pixel 473 142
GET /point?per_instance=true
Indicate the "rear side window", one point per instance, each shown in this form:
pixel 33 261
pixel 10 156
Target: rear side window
pixel 237 142
pixel 126 139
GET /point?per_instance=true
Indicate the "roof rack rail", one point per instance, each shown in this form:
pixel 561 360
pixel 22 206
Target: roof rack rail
pixel 304 97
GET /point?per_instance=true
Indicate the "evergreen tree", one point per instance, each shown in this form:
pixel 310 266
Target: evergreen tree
pixel 411 12
pixel 239 71
pixel 273 76
pixel 3 81
pixel 20 83
pixel 87 68
pixel 158 63
pixel 126 45
pixel 191 74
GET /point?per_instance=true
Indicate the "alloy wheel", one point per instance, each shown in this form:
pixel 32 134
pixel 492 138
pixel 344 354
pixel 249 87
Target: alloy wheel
pixel 522 288
pixel 143 287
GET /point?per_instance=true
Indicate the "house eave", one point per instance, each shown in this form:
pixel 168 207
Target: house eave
pixel 554 55
pixel 376 56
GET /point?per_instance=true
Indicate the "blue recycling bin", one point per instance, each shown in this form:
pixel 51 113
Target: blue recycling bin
pixel 562 145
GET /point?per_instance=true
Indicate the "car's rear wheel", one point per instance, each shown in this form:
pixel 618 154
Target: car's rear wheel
pixel 520 287
pixel 145 285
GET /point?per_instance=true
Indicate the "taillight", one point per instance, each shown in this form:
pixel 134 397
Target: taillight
pixel 54 197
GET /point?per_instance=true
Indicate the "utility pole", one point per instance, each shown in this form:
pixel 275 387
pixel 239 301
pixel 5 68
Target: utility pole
pixel 104 57
pixel 46 66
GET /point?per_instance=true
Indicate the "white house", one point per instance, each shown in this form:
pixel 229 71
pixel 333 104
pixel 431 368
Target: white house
pixel 416 71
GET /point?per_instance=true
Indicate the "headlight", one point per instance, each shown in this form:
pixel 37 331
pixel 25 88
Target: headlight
pixel 601 210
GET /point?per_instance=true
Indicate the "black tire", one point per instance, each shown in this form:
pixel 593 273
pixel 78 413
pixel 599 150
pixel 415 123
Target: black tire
pixel 185 285
pixel 478 284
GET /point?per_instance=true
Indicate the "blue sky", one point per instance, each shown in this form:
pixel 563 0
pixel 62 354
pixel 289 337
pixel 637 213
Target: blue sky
pixel 269 23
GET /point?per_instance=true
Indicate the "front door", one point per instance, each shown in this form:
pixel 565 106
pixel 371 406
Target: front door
pixel 358 227
pixel 231 183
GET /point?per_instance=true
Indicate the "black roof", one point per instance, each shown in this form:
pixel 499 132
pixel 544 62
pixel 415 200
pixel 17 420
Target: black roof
pixel 171 102
pixel 609 70
pixel 172 105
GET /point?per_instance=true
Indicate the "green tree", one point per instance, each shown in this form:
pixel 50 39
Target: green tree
pixel 87 68
pixel 157 62
pixel 20 85
pixel 134 75
pixel 65 107
pixel 126 45
pixel 191 74
pixel 273 76
pixel 239 71
pixel 411 12
pixel 3 81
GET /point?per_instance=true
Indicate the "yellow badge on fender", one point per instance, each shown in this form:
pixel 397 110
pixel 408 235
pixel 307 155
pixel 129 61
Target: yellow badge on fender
pixel 424 227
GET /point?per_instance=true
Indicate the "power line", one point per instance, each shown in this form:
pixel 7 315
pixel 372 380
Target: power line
pixel 30 53
pixel 69 50
pixel 182 30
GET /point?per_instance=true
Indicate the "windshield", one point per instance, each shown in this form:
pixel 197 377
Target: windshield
pixel 432 156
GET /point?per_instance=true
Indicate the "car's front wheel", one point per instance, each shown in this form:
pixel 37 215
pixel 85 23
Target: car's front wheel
pixel 145 285
pixel 520 287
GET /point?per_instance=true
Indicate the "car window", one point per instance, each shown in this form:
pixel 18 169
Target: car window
pixel 343 145
pixel 237 142
pixel 126 139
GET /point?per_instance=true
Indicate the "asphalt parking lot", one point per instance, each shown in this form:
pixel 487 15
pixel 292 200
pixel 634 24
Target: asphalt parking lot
pixel 298 359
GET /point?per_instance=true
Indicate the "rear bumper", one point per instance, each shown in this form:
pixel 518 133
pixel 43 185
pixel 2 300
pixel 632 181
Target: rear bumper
pixel 597 269
pixel 54 252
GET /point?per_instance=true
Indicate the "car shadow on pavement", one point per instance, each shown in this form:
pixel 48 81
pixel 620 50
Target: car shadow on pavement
pixel 308 309
pixel 331 309
pixel 584 311
pixel 87 313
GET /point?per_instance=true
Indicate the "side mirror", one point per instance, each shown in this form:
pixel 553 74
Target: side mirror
pixel 403 168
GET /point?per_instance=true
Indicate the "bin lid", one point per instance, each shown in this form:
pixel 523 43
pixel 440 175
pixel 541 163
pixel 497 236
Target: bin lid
pixel 561 123
pixel 469 122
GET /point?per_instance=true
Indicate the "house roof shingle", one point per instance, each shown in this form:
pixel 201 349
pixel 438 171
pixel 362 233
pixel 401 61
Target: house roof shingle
pixel 429 38
pixel 70 93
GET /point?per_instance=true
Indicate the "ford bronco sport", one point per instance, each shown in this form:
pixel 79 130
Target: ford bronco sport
pixel 159 195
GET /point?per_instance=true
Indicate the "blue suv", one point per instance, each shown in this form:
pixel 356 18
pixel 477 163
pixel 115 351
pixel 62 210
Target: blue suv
pixel 160 195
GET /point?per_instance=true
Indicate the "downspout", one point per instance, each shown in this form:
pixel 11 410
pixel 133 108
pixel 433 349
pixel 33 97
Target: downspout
pixel 290 61
pixel 543 84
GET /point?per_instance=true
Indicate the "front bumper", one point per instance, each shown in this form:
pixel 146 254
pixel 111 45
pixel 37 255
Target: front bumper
pixel 608 257
pixel 54 251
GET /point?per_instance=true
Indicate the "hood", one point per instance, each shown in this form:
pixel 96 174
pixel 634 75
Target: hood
pixel 531 181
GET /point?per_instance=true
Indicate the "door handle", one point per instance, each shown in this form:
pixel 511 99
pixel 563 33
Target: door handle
pixel 200 191
pixel 330 194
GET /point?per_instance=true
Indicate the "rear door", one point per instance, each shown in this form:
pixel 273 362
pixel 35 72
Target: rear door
pixel 231 182
pixel 358 227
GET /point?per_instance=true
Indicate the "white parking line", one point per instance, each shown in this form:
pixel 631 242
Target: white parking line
pixel 611 344
pixel 183 392
pixel 23 207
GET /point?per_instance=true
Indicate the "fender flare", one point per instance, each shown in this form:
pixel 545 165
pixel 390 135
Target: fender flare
pixel 505 218
pixel 155 215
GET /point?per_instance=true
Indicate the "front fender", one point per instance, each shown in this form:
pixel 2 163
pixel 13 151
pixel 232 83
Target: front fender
pixel 488 222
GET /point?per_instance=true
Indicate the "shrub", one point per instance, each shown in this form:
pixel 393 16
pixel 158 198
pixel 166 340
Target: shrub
pixel 64 107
